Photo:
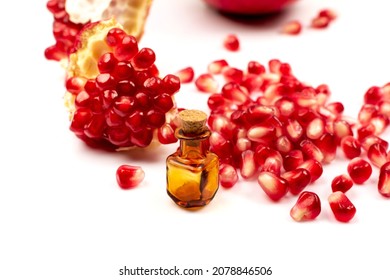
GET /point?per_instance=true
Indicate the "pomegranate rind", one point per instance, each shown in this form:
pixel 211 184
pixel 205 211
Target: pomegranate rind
pixel 89 46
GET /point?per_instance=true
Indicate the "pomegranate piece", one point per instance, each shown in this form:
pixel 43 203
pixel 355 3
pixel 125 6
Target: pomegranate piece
pixel 274 186
pixel 307 207
pixel 293 27
pixel 227 175
pixel 342 208
pixel 350 146
pixel 297 180
pixel 130 104
pixel 231 43
pixel 70 17
pixel 186 75
pixel 384 180
pixel 359 170
pixel 129 176
pixel 377 155
pixel 342 183
pixel 206 83
pixel 314 167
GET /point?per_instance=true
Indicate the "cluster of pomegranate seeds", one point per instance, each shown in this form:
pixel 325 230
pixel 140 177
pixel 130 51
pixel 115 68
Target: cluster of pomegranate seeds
pixel 321 20
pixel 64 31
pixel 127 103
pixel 267 124
pixel 129 176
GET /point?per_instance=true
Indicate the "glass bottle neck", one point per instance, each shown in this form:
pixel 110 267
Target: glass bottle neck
pixel 193 146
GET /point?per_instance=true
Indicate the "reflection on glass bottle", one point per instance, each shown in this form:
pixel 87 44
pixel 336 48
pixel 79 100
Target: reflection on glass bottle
pixel 192 171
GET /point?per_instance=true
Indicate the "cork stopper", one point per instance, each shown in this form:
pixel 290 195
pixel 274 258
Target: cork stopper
pixel 193 121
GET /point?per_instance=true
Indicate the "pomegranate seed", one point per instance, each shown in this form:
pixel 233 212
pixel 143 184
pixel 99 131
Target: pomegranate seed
pixel 216 67
pixel 320 22
pixel 294 130
pixel 262 153
pixel 272 165
pixel 171 84
pixel 377 155
pixel 328 146
pixel 292 160
pixel 107 63
pixel 232 74
pixel 384 180
pixel 283 144
pixel 359 170
pixel 206 83
pixel 186 75
pixel 216 101
pixel 235 93
pixel 314 167
pixel 372 139
pixel 259 132
pixel 243 144
pixel 341 206
pixel 274 186
pixel 80 119
pixel 297 180
pixel 341 183
pixel 163 102
pixel 311 151
pixel 350 146
pixel 384 108
pixel 256 68
pixel 366 113
pixel 96 126
pixel 307 207
pixel 144 58
pixel 166 134
pixel 380 122
pixel 75 84
pixel 315 129
pixel 341 129
pixel 155 118
pixel 219 144
pixel 129 176
pixel 231 43
pixel 373 95
pixel 127 48
pixel 248 166
pixel 328 13
pixel 365 130
pixel 292 28
pixel 227 175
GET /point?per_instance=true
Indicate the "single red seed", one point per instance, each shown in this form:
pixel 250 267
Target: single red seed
pixel 235 93
pixel 107 62
pixel 248 166
pixel 123 105
pixel 129 176
pixel 341 206
pixel 273 165
pixel 216 67
pixel 377 155
pixel 341 183
pixel 297 180
pixel 320 22
pixel 186 75
pixel 118 135
pixel 315 129
pixel 311 151
pixel 293 27
pixel 314 167
pixel 341 128
pixel 75 84
pixel 127 48
pixel 373 95
pixel 144 58
pixel 216 101
pixel 350 146
pixel 206 83
pixel 274 186
pixel 163 102
pixel 255 67
pixel 366 113
pixel 294 130
pixel 380 122
pixel 232 74
pixel 328 13
pixel 170 84
pixel 166 134
pixel 292 160
pixel 384 180
pixel 283 144
pixel 359 170
pixel 80 118
pixel 155 118
pixel 365 130
pixel 372 139
pixel 227 175
pixel 114 36
pixel 231 43
pixel 95 128
pixel 307 207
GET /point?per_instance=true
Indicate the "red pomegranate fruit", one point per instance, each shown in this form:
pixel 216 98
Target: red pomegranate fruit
pixel 249 7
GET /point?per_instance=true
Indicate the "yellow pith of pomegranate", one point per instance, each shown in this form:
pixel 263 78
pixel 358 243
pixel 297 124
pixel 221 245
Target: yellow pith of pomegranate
pixel 70 16
pixel 115 95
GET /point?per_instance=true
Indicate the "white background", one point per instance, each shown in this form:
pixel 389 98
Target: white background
pixel 62 215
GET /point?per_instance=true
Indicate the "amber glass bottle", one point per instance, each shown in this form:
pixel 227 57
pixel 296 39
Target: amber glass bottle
pixel 192 171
